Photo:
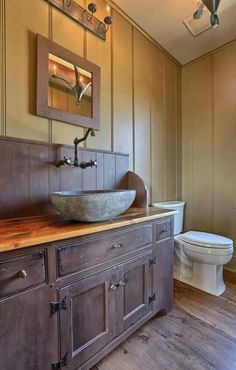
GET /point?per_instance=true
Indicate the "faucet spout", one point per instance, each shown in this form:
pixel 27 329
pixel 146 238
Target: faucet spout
pixel 75 162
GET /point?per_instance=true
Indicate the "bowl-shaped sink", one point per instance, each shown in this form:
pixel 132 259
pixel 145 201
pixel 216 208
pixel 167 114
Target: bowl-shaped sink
pixel 92 206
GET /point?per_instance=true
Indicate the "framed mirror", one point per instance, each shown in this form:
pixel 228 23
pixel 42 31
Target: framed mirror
pixel 68 86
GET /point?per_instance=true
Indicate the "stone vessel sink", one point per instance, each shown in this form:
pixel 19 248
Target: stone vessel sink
pixel 92 206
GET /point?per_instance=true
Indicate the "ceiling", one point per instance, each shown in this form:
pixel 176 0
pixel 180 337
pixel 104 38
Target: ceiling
pixel 162 20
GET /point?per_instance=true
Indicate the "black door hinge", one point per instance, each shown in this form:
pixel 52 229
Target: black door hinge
pixel 57 306
pixel 152 261
pixel 152 298
pixel 63 362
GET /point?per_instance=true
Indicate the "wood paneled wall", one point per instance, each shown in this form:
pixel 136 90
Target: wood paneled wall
pixel 29 174
pixel 139 90
pixel 209 143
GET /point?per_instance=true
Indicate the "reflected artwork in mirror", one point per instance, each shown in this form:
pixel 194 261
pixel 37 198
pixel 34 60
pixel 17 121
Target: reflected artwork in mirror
pixel 68 86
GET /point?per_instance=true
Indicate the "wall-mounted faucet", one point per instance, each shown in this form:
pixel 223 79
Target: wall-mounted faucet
pixel 70 162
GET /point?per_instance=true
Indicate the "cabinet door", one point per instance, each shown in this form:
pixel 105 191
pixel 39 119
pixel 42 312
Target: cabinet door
pixel 88 323
pixel 163 275
pixel 28 333
pixel 135 291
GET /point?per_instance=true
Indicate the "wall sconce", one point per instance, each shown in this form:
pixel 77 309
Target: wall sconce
pixel 85 17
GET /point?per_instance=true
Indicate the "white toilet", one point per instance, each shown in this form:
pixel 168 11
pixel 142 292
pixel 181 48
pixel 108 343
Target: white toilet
pixel 199 256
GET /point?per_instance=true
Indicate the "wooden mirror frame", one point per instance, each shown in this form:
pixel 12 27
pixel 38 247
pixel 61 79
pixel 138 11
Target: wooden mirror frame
pixel 46 47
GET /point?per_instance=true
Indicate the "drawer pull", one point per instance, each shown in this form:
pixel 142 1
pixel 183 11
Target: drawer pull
pixel 164 231
pixel 117 246
pixel 22 274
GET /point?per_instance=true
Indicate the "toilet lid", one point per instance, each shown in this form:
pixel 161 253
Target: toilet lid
pixel 206 239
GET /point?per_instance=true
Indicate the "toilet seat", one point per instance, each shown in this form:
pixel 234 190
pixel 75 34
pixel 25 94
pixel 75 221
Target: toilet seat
pixel 209 251
pixel 206 240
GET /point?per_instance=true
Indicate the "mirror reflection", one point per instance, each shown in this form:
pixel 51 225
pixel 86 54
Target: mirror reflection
pixel 69 87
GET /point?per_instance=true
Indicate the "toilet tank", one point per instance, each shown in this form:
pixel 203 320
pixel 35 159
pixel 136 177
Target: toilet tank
pixel 179 217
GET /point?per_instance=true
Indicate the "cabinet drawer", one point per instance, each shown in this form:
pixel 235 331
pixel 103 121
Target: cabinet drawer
pixel 81 255
pixel 162 230
pixel 17 274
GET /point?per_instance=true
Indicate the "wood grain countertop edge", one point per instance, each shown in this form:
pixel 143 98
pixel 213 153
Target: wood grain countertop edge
pixel 37 234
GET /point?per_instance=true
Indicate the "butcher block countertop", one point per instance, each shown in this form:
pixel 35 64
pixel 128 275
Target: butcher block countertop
pixel 17 233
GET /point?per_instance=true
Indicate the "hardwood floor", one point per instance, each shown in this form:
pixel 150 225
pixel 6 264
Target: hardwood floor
pixel 199 334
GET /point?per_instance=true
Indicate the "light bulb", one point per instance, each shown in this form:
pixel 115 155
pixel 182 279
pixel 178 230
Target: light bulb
pixel 108 8
pixel 54 69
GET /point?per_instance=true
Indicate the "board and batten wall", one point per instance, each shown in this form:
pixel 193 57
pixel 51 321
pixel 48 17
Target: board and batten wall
pixel 209 143
pixel 140 90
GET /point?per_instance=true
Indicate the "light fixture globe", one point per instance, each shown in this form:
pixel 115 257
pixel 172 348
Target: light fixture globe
pixel 92 8
pixel 108 20
pixel 214 20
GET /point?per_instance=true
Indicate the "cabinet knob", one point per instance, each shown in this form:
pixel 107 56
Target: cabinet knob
pixel 113 286
pixel 22 274
pixel 117 245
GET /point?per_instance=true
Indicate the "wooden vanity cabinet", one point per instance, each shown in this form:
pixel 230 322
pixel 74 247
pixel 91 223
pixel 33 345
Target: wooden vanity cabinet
pixel 133 284
pixel 135 291
pixel 82 297
pixel 28 332
pixel 88 323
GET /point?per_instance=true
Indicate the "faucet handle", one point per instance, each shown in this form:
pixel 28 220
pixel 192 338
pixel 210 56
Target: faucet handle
pixel 95 163
pixel 68 161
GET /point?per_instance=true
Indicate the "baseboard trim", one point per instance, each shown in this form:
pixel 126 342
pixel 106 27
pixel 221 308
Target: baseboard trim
pixel 231 265
pixel 230 276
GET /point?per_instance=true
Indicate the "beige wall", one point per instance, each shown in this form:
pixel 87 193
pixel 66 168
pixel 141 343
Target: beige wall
pixel 139 90
pixel 209 143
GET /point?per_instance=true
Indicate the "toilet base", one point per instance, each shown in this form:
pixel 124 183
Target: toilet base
pixel 206 277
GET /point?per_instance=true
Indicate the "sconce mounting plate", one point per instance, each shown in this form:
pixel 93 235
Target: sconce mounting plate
pixel 78 14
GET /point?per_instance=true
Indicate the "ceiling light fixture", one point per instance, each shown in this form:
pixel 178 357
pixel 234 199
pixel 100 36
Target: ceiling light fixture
pixel 212 6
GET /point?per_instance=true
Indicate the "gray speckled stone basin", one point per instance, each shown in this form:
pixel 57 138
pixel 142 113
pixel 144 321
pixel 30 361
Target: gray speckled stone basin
pixel 92 206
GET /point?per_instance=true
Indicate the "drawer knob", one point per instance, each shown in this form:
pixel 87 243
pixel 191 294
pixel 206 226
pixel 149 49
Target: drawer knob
pixel 117 245
pixel 164 231
pixel 22 274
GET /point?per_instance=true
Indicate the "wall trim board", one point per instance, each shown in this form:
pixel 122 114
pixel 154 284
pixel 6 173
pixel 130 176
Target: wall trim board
pixel 133 110
pixel 214 51
pixel 231 266
pixel 56 145
pixel 164 129
pixel 3 67
pixel 50 36
pixel 229 276
pixel 112 86
pixel 140 29
pixel 213 159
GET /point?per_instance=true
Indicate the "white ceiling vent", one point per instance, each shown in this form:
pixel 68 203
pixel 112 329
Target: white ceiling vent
pixel 198 26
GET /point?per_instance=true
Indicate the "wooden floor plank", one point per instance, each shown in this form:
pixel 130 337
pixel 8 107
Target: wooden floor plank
pixel 217 311
pixel 230 292
pixel 199 334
